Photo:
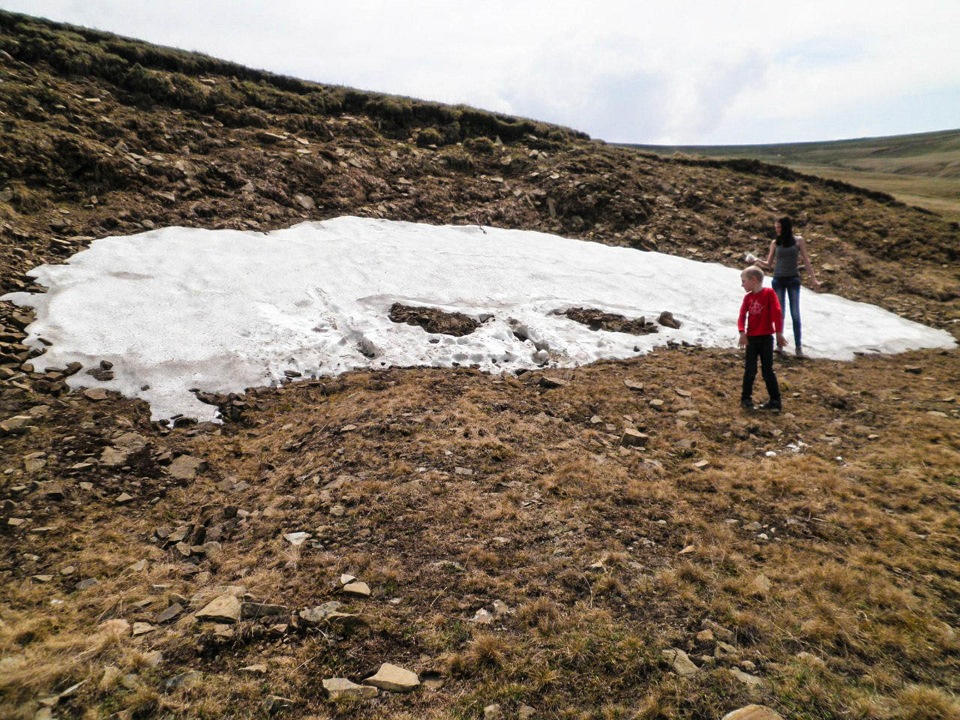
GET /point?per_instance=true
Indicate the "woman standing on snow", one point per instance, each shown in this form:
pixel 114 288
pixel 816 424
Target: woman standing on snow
pixel 786 252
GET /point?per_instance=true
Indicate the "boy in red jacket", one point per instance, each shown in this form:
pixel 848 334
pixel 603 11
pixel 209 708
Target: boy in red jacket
pixel 760 317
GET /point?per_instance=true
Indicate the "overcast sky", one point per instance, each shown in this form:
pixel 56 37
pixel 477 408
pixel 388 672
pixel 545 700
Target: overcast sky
pixel 695 72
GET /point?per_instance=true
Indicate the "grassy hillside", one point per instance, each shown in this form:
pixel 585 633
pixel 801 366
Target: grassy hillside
pixel 522 549
pixel 921 169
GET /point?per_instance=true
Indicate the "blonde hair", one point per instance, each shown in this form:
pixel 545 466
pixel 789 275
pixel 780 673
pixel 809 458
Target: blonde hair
pixel 753 272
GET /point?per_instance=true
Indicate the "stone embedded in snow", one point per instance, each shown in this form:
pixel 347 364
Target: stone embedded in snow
pixel 174 311
pixel 753 712
pixel 226 608
pixel 341 687
pixel 393 678
pixel 667 320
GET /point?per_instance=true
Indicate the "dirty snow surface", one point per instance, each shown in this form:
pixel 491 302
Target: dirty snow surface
pixel 179 309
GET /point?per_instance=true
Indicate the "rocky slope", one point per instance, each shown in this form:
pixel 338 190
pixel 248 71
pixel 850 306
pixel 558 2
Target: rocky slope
pixel 615 541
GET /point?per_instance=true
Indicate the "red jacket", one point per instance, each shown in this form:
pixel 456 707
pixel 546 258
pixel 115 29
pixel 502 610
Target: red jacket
pixel 760 313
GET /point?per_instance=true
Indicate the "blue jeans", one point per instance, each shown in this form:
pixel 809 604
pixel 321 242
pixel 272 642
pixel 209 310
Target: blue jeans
pixel 789 286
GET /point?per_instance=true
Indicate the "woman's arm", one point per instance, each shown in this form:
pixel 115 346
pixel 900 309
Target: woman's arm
pixel 768 263
pixel 802 245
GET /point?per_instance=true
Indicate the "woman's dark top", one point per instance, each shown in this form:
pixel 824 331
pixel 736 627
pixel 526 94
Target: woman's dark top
pixel 785 260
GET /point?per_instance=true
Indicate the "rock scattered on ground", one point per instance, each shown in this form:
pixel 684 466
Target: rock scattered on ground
pixel 343 688
pixel 680 662
pixel 186 467
pixel 226 608
pixel 753 712
pixel 393 678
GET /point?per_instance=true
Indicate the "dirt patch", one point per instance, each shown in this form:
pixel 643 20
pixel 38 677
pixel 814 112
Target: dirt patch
pixel 434 320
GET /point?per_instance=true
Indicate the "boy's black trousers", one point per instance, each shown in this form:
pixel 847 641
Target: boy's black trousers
pixel 759 346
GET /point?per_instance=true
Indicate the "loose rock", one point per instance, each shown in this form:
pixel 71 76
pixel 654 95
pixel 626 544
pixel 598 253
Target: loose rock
pixel 745 678
pixel 226 608
pixel 680 662
pixel 357 588
pixel 341 687
pixel 753 712
pixel 393 678
pixel 634 438
pixel 186 467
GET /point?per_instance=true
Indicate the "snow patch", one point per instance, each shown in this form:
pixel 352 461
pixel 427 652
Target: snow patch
pixel 183 309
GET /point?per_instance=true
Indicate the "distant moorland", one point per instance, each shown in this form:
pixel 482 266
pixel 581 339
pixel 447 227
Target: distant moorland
pixel 920 169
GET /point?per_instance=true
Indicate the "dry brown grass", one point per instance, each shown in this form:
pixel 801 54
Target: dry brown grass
pixel 835 578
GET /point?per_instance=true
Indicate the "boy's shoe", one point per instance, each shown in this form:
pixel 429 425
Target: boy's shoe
pixel 770 407
pixel 800 352
pixel 746 404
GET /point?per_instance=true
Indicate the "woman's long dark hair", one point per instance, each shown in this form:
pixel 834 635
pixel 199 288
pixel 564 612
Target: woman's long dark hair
pixel 785 237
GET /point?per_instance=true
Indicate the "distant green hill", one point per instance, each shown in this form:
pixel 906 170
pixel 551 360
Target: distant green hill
pixel 921 169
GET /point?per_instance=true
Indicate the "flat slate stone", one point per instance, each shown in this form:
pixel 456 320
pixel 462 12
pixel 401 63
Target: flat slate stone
pixel 186 467
pixel 226 608
pixel 681 662
pixel 746 678
pixel 357 588
pixel 341 687
pixel 753 712
pixel 393 678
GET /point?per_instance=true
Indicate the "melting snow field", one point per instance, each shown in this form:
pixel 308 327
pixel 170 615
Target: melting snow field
pixel 221 310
